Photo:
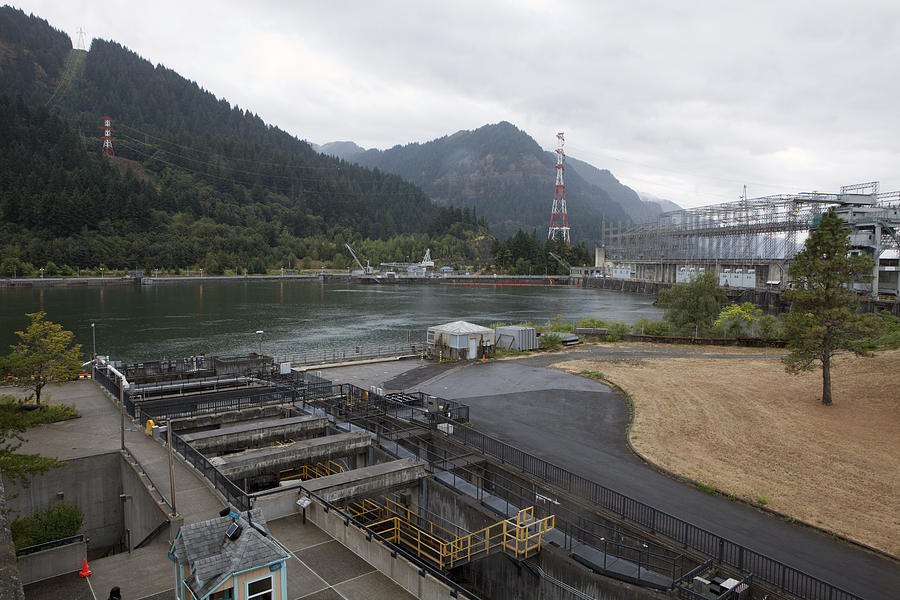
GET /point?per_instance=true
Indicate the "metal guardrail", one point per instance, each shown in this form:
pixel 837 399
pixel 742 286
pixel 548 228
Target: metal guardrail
pixel 150 536
pixel 233 494
pixel 725 551
pixel 51 544
pixel 456 590
pixel 370 417
pixel 238 399
pixel 147 475
pixel 334 355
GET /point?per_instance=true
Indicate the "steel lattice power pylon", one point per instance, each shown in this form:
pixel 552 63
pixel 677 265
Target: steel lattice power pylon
pixel 107 137
pixel 559 218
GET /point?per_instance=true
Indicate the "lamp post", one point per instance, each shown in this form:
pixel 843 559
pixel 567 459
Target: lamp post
pixel 94 336
pixel 259 334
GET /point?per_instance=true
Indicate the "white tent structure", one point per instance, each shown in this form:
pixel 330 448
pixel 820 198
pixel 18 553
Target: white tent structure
pixel 459 340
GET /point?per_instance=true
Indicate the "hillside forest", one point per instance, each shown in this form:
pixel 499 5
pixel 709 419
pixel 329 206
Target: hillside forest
pixel 195 182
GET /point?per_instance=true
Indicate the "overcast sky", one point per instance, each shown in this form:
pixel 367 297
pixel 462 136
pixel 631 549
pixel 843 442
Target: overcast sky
pixel 684 100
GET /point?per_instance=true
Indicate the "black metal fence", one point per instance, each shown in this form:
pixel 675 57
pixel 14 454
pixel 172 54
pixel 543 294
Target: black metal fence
pixel 414 406
pixel 234 494
pixel 723 550
pixel 51 544
pixel 354 353
pixel 178 408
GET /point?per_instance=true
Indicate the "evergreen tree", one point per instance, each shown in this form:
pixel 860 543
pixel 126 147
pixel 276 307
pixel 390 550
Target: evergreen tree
pixel 823 318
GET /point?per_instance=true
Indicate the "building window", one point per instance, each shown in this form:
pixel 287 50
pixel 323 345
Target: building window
pixel 223 595
pixel 261 589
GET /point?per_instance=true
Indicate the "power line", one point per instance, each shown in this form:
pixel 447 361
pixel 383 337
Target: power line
pixel 272 164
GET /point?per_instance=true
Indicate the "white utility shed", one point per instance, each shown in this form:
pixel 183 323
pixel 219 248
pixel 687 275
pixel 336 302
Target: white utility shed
pixel 459 340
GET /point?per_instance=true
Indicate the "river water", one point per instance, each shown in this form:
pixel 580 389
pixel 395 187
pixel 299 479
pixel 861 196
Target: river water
pixel 172 320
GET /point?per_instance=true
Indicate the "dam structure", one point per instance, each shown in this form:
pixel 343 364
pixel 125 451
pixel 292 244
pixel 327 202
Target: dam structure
pixel 750 243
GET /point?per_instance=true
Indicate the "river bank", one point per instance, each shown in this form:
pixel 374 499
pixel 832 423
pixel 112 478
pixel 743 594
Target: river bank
pixel 523 280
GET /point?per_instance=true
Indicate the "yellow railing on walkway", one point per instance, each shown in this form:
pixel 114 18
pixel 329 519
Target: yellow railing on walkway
pixel 519 537
pixel 305 472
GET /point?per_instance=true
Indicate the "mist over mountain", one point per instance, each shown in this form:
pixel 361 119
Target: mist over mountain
pixel 663 204
pixel 344 150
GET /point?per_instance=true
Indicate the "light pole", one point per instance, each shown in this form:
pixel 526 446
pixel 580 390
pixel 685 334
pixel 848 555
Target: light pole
pixel 259 334
pixel 94 336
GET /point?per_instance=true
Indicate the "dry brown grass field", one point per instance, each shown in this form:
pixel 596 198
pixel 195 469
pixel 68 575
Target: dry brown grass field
pixel 744 426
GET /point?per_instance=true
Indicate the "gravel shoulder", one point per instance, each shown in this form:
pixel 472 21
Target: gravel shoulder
pixel 746 427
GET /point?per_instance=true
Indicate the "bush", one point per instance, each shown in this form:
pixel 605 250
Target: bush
pixel 889 336
pixel 550 341
pixel 616 330
pixel 645 326
pixel 59 521
pixel 770 327
pixel 590 323
pixel 557 324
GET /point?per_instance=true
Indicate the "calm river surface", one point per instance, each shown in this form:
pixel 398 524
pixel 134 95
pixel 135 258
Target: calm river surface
pixel 171 320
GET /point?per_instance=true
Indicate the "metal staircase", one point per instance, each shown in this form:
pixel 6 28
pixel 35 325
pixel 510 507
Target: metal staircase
pixel 518 537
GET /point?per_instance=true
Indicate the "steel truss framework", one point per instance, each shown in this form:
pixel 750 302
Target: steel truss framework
pixel 768 228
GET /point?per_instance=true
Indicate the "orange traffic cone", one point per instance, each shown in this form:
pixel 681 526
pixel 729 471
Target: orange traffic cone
pixel 85 572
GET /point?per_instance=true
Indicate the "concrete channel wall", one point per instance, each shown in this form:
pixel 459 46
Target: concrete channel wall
pixel 497 576
pixel 52 562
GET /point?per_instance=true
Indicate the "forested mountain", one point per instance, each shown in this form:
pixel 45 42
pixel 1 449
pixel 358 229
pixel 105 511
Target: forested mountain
pixel 504 174
pixel 196 180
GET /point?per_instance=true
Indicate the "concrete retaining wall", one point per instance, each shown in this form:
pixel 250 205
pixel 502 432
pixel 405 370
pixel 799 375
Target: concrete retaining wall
pixel 50 563
pixel 397 568
pixel 278 505
pixel 144 509
pixel 92 483
pixel 497 576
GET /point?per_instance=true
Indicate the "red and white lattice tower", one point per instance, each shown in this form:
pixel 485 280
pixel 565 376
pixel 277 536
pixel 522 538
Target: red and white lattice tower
pixel 107 137
pixel 559 218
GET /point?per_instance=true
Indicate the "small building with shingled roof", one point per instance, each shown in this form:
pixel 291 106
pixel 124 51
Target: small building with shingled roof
pixel 230 557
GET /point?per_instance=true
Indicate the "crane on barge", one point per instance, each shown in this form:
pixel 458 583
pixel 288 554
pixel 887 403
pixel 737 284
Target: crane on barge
pixel 366 270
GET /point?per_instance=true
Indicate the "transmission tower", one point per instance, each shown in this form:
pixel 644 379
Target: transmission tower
pixel 559 218
pixel 80 33
pixel 107 137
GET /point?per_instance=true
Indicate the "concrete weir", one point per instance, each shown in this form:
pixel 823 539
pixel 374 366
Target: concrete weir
pixel 255 433
pixel 376 480
pixel 252 463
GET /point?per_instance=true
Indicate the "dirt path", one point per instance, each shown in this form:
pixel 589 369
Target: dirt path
pixel 746 427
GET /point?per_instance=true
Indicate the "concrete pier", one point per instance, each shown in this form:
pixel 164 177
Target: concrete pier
pixel 376 480
pixel 267 460
pixel 254 434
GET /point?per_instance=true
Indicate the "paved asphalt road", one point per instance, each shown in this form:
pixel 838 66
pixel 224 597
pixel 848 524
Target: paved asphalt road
pixel 579 424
